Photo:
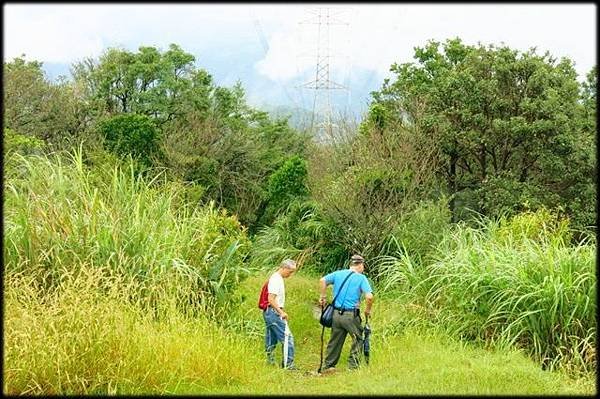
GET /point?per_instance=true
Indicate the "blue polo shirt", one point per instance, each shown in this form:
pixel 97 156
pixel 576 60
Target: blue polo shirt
pixel 353 288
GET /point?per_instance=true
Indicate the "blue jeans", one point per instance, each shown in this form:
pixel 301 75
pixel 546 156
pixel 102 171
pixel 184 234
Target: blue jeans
pixel 275 332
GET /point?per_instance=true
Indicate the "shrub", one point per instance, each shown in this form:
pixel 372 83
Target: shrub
pixel 402 260
pixel 131 134
pixel 286 184
pixel 539 226
pixel 420 231
pixel 302 232
pixel 15 142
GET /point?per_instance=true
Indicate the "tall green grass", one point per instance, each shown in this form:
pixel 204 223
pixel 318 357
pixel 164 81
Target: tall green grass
pixel 86 337
pixel 512 282
pixel 419 231
pixel 60 214
pixel 111 280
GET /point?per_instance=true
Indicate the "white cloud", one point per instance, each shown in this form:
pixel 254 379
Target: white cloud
pixel 50 35
pixel 282 61
pixel 377 35
pixel 66 33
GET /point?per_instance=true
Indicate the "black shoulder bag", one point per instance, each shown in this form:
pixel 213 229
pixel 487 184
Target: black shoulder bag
pixel 326 319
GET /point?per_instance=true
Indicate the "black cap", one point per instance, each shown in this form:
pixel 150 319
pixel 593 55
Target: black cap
pixel 357 259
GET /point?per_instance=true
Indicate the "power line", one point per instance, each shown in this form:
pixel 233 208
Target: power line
pixel 323 18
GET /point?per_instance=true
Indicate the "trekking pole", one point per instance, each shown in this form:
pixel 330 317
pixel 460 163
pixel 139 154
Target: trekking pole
pixel 285 344
pixel 322 333
pixel 366 343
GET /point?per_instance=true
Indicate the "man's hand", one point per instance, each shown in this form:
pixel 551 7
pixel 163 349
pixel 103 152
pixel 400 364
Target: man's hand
pixel 322 301
pixel 284 316
pixel 368 312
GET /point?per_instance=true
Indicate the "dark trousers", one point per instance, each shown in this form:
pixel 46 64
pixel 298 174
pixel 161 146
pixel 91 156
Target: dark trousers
pixel 343 324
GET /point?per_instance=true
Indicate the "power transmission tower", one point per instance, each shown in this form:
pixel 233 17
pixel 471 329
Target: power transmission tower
pixel 323 84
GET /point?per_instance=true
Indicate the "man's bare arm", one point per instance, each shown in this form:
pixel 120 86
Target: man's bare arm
pixel 323 290
pixel 369 298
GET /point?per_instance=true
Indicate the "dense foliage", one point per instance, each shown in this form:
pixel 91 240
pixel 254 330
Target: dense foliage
pixel 132 134
pixel 61 216
pixel 165 112
pixel 514 131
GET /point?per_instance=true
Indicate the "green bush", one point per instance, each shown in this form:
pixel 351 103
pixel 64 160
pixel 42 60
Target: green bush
pixel 285 185
pixel 302 232
pixel 131 134
pixel 541 226
pixel 375 182
pixel 420 231
pixel 317 235
pixel 203 171
pixel 402 260
pixel 15 142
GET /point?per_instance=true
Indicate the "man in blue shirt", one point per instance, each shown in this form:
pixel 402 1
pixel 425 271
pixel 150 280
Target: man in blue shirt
pixel 346 317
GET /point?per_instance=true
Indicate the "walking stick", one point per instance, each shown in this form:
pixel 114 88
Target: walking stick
pixel 285 345
pixel 322 333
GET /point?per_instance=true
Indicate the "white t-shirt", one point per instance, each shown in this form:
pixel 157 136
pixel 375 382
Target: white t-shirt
pixel 277 287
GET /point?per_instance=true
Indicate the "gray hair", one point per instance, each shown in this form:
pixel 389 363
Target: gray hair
pixel 288 264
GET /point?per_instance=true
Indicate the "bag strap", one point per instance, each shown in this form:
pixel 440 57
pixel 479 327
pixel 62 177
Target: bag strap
pixel 346 293
pixel 342 286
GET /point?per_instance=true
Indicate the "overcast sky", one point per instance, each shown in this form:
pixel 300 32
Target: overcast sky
pixel 226 37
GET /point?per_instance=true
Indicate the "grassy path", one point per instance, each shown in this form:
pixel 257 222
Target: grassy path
pixel 411 362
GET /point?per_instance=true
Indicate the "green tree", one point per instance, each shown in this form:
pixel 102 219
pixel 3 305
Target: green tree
pixel 33 106
pixel 19 143
pixel 286 185
pixel 162 85
pixel 380 178
pixel 504 122
pixel 580 175
pixel 230 150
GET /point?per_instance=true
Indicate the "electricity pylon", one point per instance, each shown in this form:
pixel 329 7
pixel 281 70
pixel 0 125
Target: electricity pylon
pixel 322 84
